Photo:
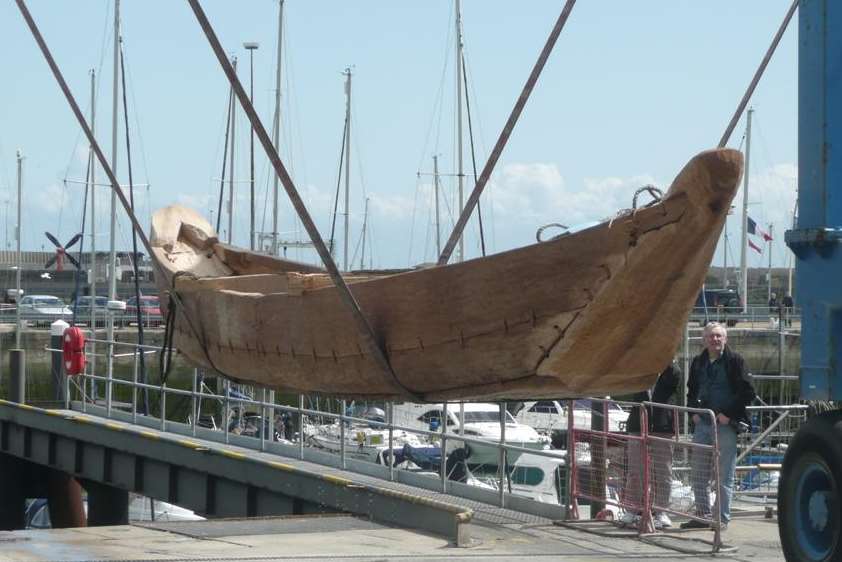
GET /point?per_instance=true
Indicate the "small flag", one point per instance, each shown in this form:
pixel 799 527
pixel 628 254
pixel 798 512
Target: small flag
pixel 766 236
pixel 754 247
pixel 752 228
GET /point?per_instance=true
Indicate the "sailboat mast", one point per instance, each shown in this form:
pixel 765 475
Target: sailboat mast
pixel 231 175
pixel 251 47
pixel 92 191
pixel 436 198
pixel 744 244
pixel 460 175
pixel 347 160
pixel 112 254
pixel 276 128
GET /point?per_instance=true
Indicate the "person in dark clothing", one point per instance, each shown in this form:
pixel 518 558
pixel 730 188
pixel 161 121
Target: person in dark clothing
pixel 773 303
pixel 787 310
pixel 719 382
pixel 661 424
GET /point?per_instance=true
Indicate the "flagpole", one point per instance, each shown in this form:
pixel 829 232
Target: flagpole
pixel 744 245
pixel 769 297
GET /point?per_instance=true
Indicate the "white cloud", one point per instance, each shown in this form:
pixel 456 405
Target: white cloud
pixel 537 193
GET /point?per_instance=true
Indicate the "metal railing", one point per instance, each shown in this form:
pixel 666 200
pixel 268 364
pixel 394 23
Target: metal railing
pixel 235 407
pixel 30 319
pixel 757 316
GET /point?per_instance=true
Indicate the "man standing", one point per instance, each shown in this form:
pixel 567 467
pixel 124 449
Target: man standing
pixel 718 381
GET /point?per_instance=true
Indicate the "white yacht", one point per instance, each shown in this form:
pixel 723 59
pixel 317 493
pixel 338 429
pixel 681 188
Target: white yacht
pixel 548 416
pixel 482 420
pixel 369 442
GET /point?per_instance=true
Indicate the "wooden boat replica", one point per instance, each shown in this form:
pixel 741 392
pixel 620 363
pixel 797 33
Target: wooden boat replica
pixel 598 311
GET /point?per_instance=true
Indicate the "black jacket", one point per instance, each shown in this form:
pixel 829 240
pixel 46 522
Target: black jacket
pixel 738 379
pixel 661 420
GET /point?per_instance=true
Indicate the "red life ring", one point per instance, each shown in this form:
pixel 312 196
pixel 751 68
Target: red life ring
pixel 73 351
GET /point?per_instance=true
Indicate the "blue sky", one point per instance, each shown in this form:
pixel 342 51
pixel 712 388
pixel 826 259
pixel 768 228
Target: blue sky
pixel 630 93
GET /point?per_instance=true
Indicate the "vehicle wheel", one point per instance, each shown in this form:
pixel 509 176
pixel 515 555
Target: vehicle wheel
pixel 809 500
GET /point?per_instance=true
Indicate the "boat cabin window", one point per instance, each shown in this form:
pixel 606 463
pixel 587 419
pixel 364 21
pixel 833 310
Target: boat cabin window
pixel 485 417
pixel 431 415
pixel 586 405
pixel 527 475
pixel 544 407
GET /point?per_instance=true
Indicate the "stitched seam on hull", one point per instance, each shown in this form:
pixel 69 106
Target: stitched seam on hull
pixel 426 345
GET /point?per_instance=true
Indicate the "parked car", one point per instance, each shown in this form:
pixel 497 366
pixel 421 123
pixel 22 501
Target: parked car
pixel 150 310
pixel 43 310
pixel 82 307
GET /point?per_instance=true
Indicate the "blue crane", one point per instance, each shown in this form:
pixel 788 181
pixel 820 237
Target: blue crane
pixel 810 489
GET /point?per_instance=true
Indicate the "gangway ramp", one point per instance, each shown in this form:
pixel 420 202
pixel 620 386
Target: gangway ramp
pixel 229 480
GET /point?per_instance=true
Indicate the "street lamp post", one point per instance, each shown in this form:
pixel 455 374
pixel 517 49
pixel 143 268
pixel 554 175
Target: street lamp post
pixel 251 47
pixel 18 256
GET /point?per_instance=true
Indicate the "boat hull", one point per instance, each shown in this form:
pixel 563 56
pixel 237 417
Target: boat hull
pixel 599 311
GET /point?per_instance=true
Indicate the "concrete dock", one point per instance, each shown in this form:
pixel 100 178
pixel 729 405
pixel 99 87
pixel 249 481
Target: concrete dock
pixel 331 537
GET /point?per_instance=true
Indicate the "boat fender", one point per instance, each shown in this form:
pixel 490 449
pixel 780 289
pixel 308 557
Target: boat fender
pixel 73 351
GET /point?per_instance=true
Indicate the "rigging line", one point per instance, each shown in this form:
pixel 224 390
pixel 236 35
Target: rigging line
pixel 429 225
pixel 412 219
pixel 473 153
pixel 356 251
pixel 439 98
pixel 80 118
pixel 505 133
pixel 141 358
pixel 83 124
pixel 370 340
pixel 757 75
pixel 357 150
pixel 81 249
pixel 139 135
pixel 338 186
pixel 482 146
pixel 266 172
pixel 266 189
pixel 224 158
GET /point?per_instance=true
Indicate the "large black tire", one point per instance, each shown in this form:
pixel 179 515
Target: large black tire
pixel 810 492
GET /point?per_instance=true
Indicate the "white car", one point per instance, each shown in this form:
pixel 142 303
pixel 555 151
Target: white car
pixel 43 310
pixel 548 416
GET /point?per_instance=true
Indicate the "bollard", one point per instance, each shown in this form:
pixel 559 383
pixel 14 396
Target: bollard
pixel 57 329
pixel 17 376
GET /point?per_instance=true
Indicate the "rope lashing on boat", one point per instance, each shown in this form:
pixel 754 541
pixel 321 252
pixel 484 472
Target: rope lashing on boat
pixel 657 195
pixel 541 230
pixel 165 359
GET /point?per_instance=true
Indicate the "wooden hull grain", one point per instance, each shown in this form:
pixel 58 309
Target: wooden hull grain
pixel 600 311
